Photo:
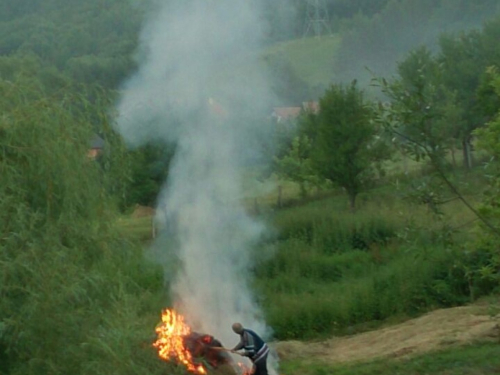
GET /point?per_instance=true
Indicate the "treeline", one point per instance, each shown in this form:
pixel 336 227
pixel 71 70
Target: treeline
pixel 374 45
pixel 88 42
pixel 437 99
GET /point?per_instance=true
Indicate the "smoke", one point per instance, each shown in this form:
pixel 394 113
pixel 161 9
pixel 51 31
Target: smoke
pixel 200 85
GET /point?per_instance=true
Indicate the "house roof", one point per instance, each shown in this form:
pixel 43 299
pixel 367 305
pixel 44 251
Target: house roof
pixel 311 106
pixel 96 142
pixel 286 113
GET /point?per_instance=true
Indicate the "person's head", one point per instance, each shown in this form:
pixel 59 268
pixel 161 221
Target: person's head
pixel 238 328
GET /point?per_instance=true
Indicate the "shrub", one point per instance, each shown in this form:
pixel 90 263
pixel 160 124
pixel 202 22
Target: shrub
pixel 73 295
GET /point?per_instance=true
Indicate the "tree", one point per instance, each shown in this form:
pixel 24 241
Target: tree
pixel 464 59
pixel 420 88
pixel 413 108
pixel 72 296
pixel 149 171
pixel 345 145
pixel 489 141
pixel 296 165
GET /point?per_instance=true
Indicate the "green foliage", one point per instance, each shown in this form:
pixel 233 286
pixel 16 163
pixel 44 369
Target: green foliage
pixel 296 164
pixel 420 113
pixel 488 140
pixel 74 298
pixel 88 42
pixel 345 146
pixel 149 172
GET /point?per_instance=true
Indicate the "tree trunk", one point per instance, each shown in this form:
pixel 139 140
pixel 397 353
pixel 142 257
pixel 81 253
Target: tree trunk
pixel 467 152
pixel 453 159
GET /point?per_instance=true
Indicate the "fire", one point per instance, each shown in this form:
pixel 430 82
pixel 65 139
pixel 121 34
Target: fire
pixel 244 370
pixel 170 343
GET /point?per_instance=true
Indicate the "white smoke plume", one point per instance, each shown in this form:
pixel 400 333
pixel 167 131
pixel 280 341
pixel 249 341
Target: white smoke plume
pixel 200 85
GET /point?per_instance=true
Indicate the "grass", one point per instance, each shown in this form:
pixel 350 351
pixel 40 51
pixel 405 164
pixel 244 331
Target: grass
pixel 300 52
pixel 331 271
pixel 480 359
pixel 136 229
pixel 328 271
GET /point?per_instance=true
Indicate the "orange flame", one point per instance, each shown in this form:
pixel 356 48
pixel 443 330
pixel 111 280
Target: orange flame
pixel 170 343
pixel 244 370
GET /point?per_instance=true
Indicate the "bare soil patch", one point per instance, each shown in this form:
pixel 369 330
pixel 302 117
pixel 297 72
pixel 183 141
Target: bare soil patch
pixel 433 331
pixel 143 211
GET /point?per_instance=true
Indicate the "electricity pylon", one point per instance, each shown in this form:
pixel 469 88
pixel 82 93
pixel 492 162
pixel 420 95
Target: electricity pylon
pixel 317 19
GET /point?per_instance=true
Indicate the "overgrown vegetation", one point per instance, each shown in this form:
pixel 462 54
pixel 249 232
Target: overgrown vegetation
pixel 335 272
pixel 76 296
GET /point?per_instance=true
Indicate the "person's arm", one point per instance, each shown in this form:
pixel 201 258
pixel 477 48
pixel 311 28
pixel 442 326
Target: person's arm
pixel 240 345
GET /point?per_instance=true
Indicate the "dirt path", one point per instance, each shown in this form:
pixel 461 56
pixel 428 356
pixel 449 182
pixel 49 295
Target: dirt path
pixel 435 330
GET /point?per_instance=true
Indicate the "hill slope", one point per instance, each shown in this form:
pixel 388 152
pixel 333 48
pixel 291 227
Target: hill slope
pixel 446 329
pixel 311 59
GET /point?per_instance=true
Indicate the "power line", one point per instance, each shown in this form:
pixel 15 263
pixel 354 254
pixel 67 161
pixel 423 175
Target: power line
pixel 317 19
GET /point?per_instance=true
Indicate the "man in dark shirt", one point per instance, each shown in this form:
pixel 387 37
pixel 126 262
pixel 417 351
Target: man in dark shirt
pixel 254 348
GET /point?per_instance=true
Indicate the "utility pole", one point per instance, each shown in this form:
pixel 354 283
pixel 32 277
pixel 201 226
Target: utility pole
pixel 317 19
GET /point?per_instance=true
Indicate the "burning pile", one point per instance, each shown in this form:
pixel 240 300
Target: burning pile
pixel 176 342
pixel 170 342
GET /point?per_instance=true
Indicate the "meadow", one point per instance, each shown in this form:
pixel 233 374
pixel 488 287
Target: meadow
pixel 324 270
pixel 298 53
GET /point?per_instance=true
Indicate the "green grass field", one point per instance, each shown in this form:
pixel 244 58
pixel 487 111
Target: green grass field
pixel 481 359
pixel 311 58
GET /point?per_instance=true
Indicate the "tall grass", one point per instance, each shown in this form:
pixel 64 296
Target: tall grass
pixel 330 271
pixel 74 297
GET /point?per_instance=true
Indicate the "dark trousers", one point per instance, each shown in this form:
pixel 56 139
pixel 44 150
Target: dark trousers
pixel 260 366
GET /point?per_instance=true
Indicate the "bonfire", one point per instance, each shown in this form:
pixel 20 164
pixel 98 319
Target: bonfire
pixel 199 353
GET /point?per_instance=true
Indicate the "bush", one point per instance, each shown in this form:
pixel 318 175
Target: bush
pixel 74 297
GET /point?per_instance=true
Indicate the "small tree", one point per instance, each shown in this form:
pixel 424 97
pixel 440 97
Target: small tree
pixel 296 164
pixel 345 147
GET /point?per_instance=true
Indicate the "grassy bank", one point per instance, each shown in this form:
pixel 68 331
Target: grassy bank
pixel 329 271
pixel 479 359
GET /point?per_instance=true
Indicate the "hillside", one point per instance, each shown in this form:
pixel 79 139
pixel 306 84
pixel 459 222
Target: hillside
pixel 459 330
pixel 311 59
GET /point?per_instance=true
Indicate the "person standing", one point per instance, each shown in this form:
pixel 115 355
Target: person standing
pixel 254 348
